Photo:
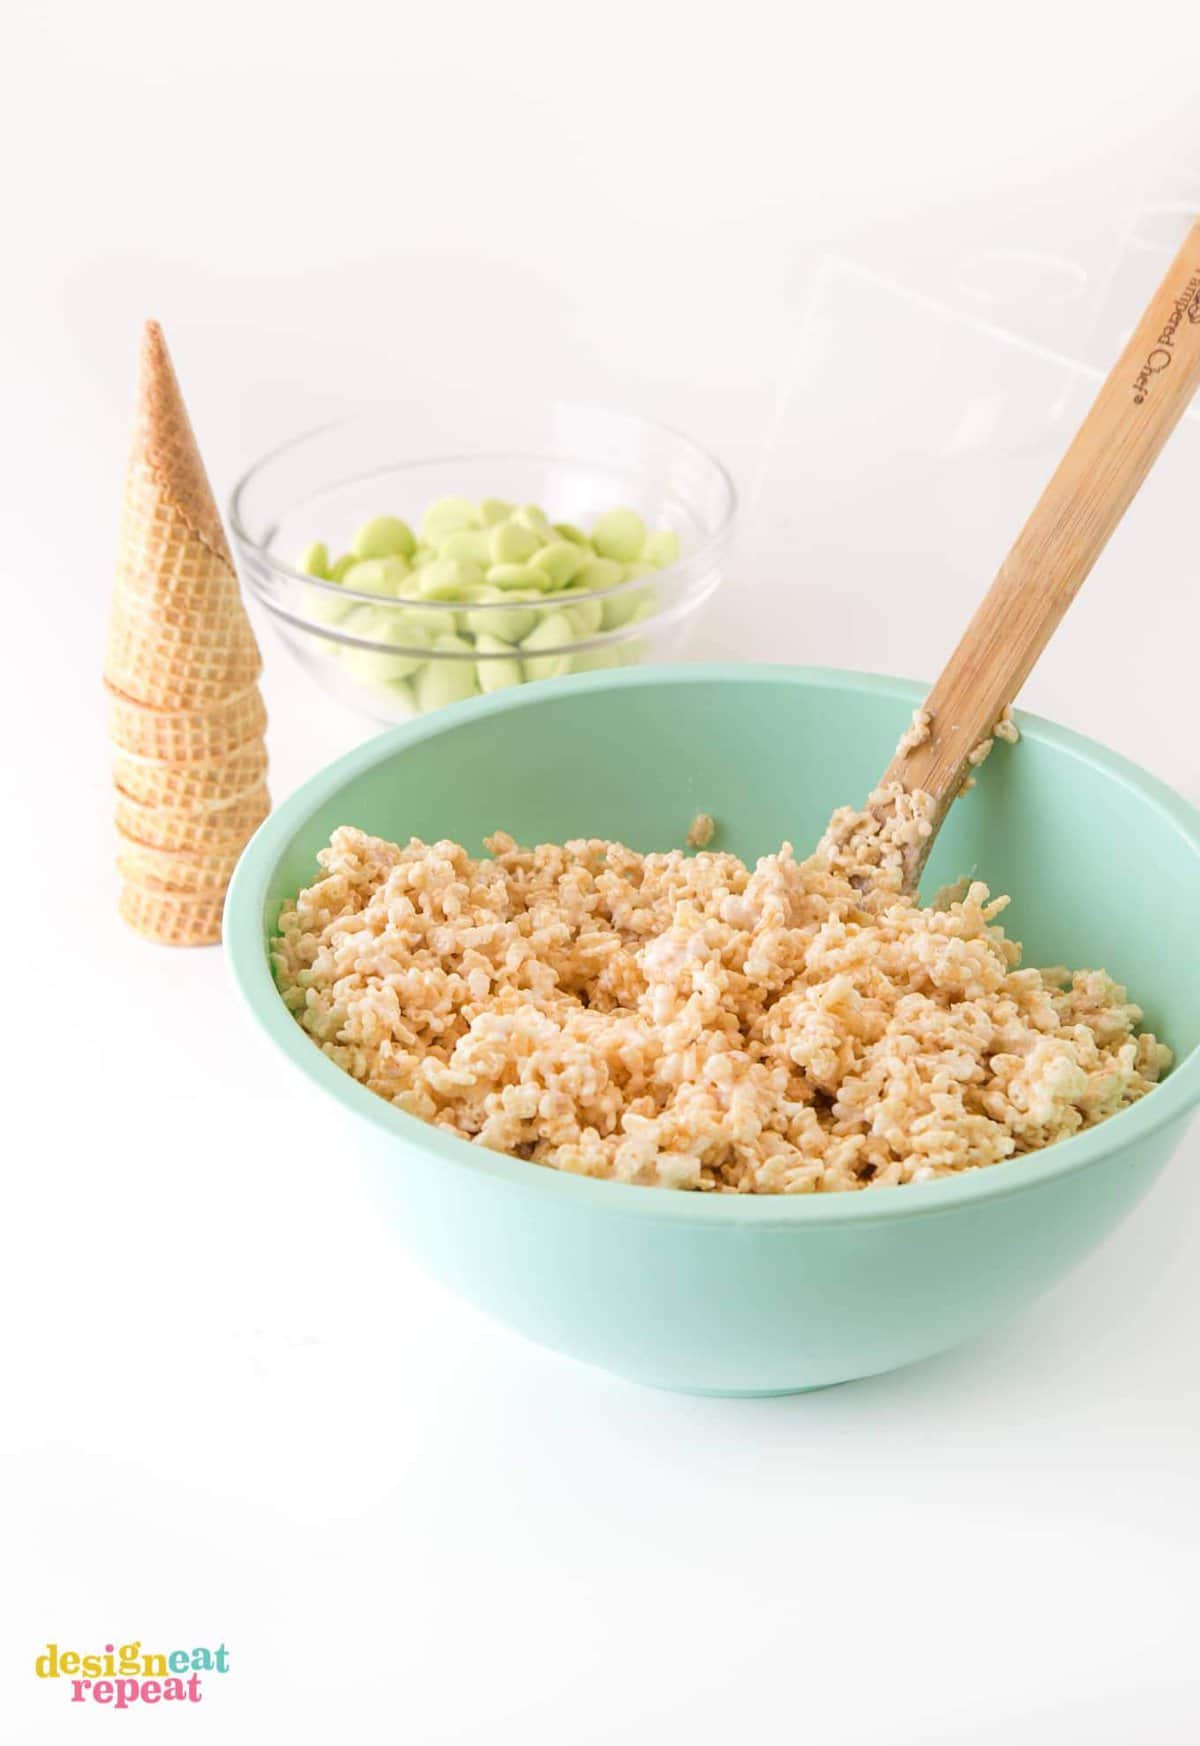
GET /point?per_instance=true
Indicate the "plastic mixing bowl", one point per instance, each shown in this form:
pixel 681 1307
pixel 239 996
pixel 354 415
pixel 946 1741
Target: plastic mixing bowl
pixel 748 1294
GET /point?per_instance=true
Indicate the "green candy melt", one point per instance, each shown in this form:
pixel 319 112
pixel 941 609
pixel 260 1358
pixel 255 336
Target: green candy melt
pixel 376 576
pixel 448 579
pixel 619 534
pixel 661 548
pixel 374 667
pixel 509 623
pixel 599 573
pixel 470 545
pixel 446 681
pixel 523 576
pixel 627 607
pixel 506 593
pixel 325 607
pixel 448 515
pixel 497 674
pixel 587 615
pixel 560 560
pixel 593 660
pixel 314 559
pixel 437 620
pixel 511 542
pixel 385 536
pixel 551 632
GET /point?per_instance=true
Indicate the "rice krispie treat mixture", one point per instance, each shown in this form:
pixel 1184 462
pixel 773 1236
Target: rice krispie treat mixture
pixel 686 1021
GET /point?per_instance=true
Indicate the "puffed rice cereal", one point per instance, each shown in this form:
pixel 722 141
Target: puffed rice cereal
pixel 685 1021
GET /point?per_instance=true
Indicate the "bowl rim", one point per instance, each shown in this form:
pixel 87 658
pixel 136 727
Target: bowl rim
pixel 249 965
pixel 700 559
pixel 629 632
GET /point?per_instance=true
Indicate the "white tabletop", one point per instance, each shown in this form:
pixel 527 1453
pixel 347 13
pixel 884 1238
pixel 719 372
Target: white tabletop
pixel 231 1410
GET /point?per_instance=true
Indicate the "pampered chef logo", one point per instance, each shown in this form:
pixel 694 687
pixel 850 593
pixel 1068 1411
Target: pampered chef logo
pixel 1161 353
pixel 124 1675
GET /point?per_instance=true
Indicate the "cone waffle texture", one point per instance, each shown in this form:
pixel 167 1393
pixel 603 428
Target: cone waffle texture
pixel 194 829
pixel 186 717
pixel 182 735
pixel 197 665
pixel 178 636
pixel 196 783
pixel 171 918
pixel 202 870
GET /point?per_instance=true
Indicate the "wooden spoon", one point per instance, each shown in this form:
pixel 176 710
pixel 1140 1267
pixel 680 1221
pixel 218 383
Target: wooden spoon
pixel 1137 408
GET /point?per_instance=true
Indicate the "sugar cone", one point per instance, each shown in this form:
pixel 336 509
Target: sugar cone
pixel 186 717
pixel 189 666
pixel 172 918
pixel 204 872
pixel 194 829
pixel 180 735
pixel 179 637
pixel 197 782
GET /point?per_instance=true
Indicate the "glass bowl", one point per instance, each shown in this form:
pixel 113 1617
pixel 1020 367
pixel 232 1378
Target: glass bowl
pixel 401 654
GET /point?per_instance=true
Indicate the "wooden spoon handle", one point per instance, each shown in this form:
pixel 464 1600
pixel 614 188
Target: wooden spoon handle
pixel 1131 418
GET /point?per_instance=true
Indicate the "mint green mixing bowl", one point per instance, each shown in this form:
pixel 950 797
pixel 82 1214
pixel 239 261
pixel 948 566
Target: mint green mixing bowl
pixel 726 1294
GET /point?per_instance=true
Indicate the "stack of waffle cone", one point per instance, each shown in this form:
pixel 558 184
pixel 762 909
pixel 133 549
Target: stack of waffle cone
pixel 186 718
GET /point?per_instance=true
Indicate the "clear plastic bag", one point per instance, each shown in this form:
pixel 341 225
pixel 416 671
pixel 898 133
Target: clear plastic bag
pixel 918 422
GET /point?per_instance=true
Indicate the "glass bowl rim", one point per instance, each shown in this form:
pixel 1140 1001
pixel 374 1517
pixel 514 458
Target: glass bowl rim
pixel 698 559
pixel 623 633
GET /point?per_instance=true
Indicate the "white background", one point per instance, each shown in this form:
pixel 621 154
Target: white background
pixel 229 1409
